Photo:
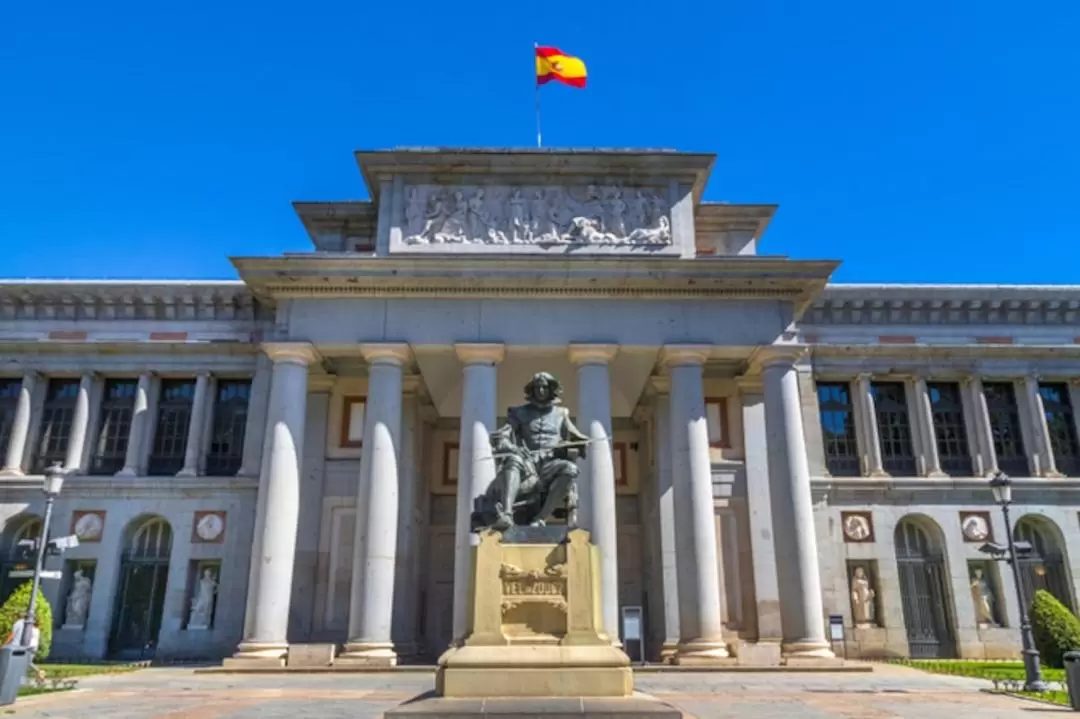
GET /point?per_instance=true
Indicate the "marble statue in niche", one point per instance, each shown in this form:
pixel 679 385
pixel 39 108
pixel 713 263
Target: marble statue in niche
pixel 202 605
pixel 862 598
pixel 78 601
pixel 983 597
pixel 521 215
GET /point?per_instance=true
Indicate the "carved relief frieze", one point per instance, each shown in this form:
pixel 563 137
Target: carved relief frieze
pixel 535 215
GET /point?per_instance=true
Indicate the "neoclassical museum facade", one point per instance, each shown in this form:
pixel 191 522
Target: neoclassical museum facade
pixel 267 467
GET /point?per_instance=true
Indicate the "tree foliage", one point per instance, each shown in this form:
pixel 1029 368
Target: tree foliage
pixel 1056 629
pixel 15 608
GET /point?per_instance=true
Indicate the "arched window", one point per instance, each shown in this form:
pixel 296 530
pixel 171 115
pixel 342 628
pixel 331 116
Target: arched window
pixel 151 540
pixel 1044 566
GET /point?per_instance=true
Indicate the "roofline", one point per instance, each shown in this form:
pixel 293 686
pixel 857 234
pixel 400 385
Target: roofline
pixel 693 168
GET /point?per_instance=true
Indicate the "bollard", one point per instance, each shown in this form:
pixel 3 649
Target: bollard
pixel 13 664
pixel 1072 678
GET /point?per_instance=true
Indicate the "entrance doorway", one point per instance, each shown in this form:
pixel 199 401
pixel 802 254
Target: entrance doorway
pixel 144 575
pixel 921 567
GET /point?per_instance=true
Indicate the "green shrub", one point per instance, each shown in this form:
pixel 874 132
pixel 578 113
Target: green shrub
pixel 15 607
pixel 1056 629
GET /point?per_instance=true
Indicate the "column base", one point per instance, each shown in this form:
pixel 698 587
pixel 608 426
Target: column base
pixel 257 655
pixel 12 473
pixel 668 650
pixel 368 654
pixel 703 652
pixel 187 473
pixel 809 654
pixel 127 472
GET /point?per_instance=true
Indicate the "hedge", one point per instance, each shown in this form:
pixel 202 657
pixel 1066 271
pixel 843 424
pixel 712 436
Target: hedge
pixel 15 608
pixel 1056 629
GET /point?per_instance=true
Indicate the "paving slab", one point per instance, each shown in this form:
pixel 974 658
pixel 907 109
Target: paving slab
pixel 887 693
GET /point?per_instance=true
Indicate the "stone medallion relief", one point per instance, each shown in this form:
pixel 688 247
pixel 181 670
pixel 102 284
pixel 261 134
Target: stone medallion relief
pixel 536 215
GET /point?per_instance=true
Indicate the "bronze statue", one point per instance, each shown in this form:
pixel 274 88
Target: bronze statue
pixel 535 470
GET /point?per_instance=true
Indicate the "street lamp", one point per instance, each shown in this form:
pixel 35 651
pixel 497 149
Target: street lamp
pixel 54 482
pixel 1001 486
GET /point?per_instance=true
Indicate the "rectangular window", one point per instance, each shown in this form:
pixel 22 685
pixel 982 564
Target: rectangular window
pixel 716 421
pixel 114 429
pixel 226 451
pixel 9 399
pixel 947 410
pixel 894 428
pixel 352 421
pixel 1062 426
pixel 1005 426
pixel 838 429
pixel 173 419
pixel 56 419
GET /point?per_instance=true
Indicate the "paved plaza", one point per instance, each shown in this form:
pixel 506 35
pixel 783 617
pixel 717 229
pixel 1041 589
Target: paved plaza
pixel 890 692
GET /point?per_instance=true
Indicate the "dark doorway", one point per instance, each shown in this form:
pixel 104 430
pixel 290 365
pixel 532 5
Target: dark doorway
pixel 921 569
pixel 140 599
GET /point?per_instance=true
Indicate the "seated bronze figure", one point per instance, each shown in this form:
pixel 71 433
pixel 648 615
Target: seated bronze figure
pixel 535 470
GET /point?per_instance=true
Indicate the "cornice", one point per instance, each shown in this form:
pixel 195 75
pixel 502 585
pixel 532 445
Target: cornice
pixel 133 300
pixel 946 305
pixel 465 164
pixel 569 278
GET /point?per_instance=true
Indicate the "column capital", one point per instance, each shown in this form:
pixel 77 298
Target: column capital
pixel 864 376
pixel 480 352
pixel 392 353
pixel 295 352
pixel 749 384
pixel 320 383
pixel 784 356
pixel 681 355
pixel 582 354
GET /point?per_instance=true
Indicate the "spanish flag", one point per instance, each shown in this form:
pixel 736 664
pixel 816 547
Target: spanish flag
pixel 553 64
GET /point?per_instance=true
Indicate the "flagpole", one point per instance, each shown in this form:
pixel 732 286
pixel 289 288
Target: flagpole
pixel 539 137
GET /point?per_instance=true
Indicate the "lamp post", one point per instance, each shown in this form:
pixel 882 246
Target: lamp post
pixel 1001 486
pixel 54 482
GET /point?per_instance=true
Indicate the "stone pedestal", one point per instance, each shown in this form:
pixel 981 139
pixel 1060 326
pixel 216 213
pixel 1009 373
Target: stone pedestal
pixel 535 622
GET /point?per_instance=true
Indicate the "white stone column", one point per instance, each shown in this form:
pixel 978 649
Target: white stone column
pixel 760 517
pixel 255 428
pixel 870 434
pixel 1042 451
pixel 476 466
pixel 20 427
pixel 701 628
pixel 986 457
pixel 371 605
pixel 924 417
pixel 665 499
pixel 140 428
pixel 80 424
pixel 598 479
pixel 196 426
pixel 266 621
pixel 798 574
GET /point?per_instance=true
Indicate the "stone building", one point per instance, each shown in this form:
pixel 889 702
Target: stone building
pixel 289 459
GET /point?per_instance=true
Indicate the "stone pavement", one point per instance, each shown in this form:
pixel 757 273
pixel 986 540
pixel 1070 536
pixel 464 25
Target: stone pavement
pixel 888 693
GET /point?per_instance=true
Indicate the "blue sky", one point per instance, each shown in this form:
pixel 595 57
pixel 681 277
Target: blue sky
pixel 917 142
